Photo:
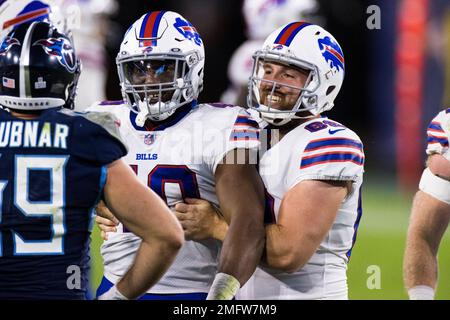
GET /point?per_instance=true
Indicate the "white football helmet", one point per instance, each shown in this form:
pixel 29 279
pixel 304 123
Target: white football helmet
pixel 264 16
pixel 308 47
pixel 160 65
pixel 16 12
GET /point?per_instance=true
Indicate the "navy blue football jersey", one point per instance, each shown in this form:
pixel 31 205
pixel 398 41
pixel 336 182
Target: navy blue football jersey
pixel 52 173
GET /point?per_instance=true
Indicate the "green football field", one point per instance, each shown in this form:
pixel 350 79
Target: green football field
pixel 379 246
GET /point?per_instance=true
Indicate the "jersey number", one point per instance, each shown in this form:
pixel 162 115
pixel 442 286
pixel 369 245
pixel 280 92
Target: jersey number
pixel 179 174
pixel 53 208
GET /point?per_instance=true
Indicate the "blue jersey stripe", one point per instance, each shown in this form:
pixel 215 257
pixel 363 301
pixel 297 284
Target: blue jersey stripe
pixel 435 126
pixel 442 141
pixel 244 120
pixel 334 142
pixel 332 157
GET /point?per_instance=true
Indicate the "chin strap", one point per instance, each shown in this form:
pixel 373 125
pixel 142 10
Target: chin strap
pixel 141 117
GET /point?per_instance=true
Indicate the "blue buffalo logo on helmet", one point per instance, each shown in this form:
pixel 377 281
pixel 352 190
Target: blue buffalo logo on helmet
pixel 61 49
pixel 187 30
pixel 7 43
pixel 332 53
pixel 277 47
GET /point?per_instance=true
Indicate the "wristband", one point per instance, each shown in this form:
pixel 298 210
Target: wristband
pixel 421 293
pixel 224 287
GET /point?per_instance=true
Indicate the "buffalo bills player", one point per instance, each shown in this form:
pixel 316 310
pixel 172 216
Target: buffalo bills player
pixel 430 214
pixel 55 166
pixel 179 148
pixel 313 173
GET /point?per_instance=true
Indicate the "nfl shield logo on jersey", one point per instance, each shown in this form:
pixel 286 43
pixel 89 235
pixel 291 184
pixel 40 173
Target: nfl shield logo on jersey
pixel 149 138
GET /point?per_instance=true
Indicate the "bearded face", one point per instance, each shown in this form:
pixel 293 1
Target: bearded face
pixel 281 84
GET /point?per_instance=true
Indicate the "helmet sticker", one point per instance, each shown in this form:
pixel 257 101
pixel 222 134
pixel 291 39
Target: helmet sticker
pixel 332 53
pixel 187 30
pixel 7 43
pixel 9 83
pixel 61 49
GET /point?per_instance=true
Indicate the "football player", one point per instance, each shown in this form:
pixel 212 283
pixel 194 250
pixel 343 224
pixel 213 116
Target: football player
pixel 313 173
pixel 182 149
pixel 55 166
pixel 430 214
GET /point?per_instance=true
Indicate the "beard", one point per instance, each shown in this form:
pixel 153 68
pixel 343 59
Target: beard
pixel 278 100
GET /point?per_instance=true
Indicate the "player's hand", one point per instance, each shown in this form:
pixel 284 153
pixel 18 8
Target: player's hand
pixel 105 219
pixel 199 218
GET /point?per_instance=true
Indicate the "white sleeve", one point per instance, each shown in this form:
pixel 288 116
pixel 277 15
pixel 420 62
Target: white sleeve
pixel 438 133
pixel 243 134
pixel 331 158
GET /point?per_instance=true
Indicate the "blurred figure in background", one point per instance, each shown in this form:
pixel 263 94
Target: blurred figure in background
pixel 430 214
pixel 261 17
pixel 13 13
pixel 89 24
pixel 85 21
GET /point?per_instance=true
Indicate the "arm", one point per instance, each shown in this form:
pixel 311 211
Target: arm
pixel 200 220
pixel 240 192
pixel 439 166
pixel 302 224
pixel 429 219
pixel 147 216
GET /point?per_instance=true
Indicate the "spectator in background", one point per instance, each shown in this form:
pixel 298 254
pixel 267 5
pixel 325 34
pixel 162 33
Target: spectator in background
pixel 261 17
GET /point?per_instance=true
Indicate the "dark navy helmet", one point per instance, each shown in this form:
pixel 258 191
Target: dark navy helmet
pixel 38 68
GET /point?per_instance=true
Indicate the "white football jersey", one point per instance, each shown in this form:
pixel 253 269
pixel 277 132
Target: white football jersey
pixel 438 133
pixel 319 149
pixel 178 160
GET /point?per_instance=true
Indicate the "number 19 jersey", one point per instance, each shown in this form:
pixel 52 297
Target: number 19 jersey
pixel 52 172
